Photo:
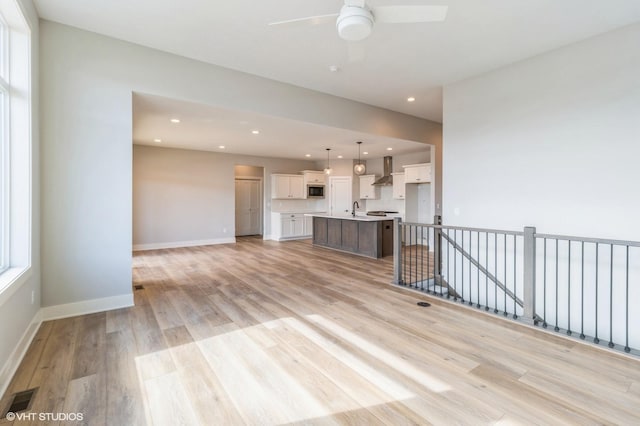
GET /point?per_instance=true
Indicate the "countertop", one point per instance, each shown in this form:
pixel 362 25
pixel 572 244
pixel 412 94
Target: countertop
pixel 357 217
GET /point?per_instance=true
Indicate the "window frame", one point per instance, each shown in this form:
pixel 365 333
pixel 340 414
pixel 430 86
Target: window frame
pixel 5 143
pixel 17 176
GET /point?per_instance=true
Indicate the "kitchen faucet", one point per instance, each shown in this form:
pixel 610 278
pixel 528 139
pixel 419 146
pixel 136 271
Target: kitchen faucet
pixel 353 212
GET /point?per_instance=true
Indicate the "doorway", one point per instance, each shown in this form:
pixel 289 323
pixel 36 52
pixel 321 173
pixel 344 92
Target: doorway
pixel 341 195
pixel 248 194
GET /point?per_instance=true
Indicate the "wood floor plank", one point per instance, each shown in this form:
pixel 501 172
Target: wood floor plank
pixel 86 397
pixel 124 396
pixel 89 355
pixel 210 402
pixel 54 368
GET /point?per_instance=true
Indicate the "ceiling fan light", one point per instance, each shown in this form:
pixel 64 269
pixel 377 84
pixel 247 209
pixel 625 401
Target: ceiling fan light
pixel 354 23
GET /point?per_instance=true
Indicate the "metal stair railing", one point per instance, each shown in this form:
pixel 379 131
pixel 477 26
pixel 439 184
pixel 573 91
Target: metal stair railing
pixel 574 285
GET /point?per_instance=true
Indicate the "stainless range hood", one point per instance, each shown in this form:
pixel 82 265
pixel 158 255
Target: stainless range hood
pixel 386 179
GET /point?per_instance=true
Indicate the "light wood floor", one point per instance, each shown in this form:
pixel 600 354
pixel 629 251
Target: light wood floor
pixel 284 333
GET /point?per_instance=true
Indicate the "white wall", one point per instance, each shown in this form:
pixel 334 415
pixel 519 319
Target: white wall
pixel 552 142
pixel 18 314
pixel 86 144
pixel 184 196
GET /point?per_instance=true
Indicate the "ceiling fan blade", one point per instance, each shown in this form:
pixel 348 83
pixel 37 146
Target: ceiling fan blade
pixel 310 20
pixel 357 3
pixel 408 14
pixel 356 51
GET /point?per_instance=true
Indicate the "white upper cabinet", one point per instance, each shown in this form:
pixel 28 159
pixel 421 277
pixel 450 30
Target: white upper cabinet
pixel 367 190
pixel 398 186
pixel 313 177
pixel 417 173
pixel 287 186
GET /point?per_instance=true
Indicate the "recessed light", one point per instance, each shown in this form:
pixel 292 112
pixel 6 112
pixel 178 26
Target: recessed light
pixel 411 99
pixel 175 120
pixel 334 68
pixel 221 147
pixel 389 149
pixel 307 155
pixel 255 132
pixel 339 156
pixel 156 140
pixel 365 153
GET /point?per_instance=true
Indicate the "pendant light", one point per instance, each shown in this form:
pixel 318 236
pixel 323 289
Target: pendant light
pixel 359 168
pixel 327 170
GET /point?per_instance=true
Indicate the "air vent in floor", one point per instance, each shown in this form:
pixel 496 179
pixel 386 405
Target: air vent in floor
pixel 138 287
pixel 424 304
pixel 21 401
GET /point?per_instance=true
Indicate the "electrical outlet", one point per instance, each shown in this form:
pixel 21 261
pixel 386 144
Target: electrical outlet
pixel 224 230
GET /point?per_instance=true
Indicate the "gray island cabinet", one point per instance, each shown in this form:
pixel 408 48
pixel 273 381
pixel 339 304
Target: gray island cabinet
pixel 365 236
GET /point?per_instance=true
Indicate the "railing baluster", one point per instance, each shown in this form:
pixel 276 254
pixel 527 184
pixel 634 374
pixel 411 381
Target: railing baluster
pixel 455 265
pixel 462 266
pixel 611 298
pixel 486 275
pixel 569 289
pixel 422 259
pixel 582 336
pixel 470 268
pixel 495 271
pixel 515 276
pixel 448 265
pixel 506 286
pixel 404 252
pixel 412 250
pixel 478 270
pixel 626 345
pixel 544 284
pixel 596 339
pixel 434 280
pixel 556 328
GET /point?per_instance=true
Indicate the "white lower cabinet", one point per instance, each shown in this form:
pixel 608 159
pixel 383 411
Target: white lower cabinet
pixel 290 226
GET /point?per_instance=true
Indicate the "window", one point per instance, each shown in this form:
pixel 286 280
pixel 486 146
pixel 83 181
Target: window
pixel 15 148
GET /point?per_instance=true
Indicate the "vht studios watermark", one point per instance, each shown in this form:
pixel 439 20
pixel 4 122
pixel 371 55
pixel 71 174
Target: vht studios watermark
pixel 44 417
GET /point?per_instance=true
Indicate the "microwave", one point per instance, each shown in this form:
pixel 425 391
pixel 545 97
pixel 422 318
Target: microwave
pixel 315 191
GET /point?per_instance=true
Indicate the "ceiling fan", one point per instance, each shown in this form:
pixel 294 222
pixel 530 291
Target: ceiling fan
pixel 356 20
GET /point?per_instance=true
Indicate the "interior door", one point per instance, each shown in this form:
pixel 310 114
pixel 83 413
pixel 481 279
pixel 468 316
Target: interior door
pixel 341 195
pixel 248 207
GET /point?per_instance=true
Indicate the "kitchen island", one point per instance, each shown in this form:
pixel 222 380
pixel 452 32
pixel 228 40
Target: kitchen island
pixel 370 236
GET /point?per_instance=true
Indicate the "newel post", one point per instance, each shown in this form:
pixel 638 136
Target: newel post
pixel 397 251
pixel 529 268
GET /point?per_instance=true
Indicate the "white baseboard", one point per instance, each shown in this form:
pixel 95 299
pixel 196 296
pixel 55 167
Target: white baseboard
pixel 12 364
pixel 302 237
pixel 178 244
pixel 87 307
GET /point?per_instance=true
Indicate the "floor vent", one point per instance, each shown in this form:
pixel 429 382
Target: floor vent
pixel 424 304
pixel 138 287
pixel 21 401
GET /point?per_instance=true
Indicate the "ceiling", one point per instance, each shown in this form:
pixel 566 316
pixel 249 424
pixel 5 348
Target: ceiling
pixel 207 128
pixel 401 60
